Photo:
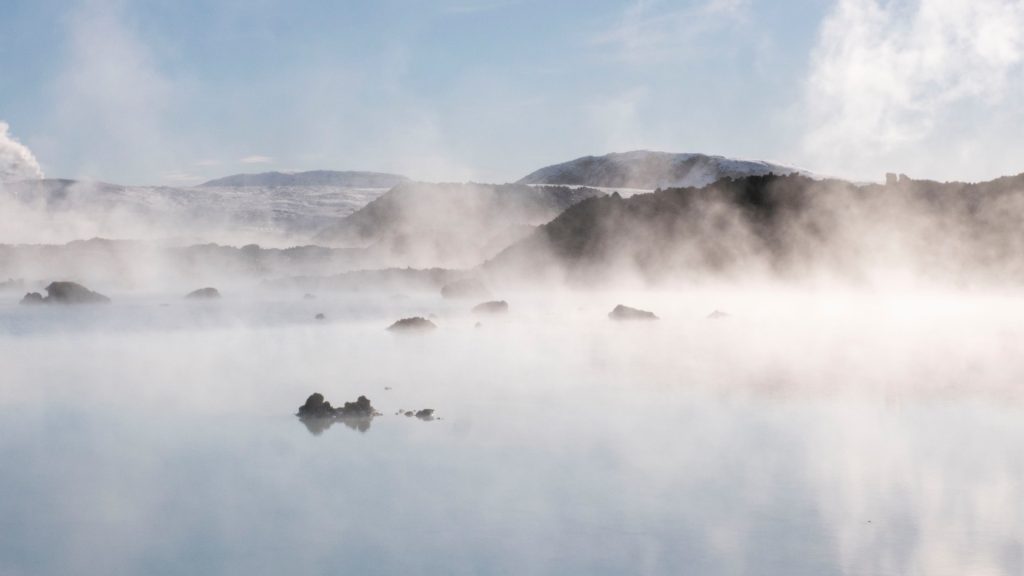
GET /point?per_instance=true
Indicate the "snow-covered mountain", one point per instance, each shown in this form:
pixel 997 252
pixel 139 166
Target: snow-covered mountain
pixel 313 178
pixel 52 210
pixel 646 170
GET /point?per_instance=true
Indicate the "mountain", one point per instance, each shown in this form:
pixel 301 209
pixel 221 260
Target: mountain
pixel 449 225
pixel 784 227
pixel 53 210
pixel 642 169
pixel 311 178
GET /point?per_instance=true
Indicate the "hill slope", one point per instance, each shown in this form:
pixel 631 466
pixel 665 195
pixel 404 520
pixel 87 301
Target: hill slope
pixel 449 225
pixel 785 226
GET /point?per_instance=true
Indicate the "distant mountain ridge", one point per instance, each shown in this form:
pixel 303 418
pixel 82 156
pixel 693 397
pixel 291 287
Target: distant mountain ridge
pixel 348 179
pixel 643 169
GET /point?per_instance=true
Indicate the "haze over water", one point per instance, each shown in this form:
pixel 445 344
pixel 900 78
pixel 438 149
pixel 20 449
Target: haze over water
pixel 804 434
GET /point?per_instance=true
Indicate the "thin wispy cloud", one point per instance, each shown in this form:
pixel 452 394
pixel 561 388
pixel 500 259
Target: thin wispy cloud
pixel 256 159
pixel 650 31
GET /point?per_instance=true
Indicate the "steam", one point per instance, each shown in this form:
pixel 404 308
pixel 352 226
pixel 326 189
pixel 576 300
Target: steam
pixel 889 80
pixel 16 161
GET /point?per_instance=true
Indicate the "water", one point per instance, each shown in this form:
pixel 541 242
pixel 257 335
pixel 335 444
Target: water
pixel 804 434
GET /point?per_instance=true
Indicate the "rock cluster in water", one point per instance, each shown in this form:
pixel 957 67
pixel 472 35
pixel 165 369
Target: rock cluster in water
pixel 626 313
pixel 65 293
pixel 493 307
pixel 208 293
pixel 414 324
pixel 426 414
pixel 317 407
pixel 318 414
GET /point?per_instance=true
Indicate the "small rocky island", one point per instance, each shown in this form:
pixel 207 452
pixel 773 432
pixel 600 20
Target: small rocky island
pixel 626 313
pixel 414 324
pixel 208 293
pixel 318 414
pixel 65 293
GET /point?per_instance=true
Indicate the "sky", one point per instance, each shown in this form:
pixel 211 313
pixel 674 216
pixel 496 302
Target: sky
pixel 180 91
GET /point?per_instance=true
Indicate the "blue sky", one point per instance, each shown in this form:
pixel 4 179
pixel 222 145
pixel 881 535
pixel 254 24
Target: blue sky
pixel 178 91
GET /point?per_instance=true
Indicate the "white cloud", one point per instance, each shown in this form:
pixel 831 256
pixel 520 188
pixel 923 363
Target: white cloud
pixel 16 161
pixel 891 78
pixel 256 159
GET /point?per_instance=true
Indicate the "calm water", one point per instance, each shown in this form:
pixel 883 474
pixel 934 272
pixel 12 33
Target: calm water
pixel 802 435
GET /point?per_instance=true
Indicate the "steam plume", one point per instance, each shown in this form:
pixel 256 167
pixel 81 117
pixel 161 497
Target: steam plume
pixel 16 161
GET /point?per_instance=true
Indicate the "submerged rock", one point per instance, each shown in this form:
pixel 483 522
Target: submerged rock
pixel 467 288
pixel 492 307
pixel 414 324
pixel 208 293
pixel 626 313
pixel 717 315
pixel 308 296
pixel 320 316
pixel 318 414
pixel 66 293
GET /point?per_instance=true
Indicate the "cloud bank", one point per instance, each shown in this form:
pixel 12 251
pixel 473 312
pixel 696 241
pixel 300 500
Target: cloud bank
pixel 915 83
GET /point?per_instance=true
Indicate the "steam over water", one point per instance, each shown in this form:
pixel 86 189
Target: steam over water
pixel 805 434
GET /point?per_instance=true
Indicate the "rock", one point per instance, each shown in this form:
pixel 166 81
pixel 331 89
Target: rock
pixel 309 296
pixel 493 307
pixel 66 293
pixel 33 298
pixel 425 414
pixel 320 316
pixel 316 407
pixel 626 313
pixel 361 407
pixel 467 288
pixel 415 324
pixel 717 315
pixel 208 293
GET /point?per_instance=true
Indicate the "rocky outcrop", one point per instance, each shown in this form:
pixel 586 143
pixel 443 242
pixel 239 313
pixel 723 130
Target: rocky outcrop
pixel 626 313
pixel 208 293
pixel 493 307
pixel 65 293
pixel 414 324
